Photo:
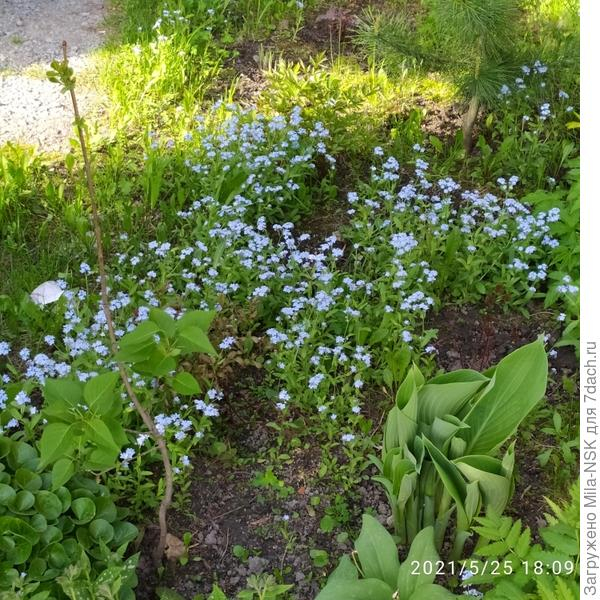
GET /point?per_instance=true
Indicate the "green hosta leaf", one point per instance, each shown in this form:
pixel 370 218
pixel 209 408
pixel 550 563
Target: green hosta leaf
pixel 58 440
pixel 399 430
pixel 408 390
pixel 431 591
pixel 518 384
pixel 99 393
pixel 444 429
pixel 377 551
pixel 193 339
pixel 345 571
pixel 363 589
pixel 62 471
pixel 495 488
pixel 452 480
pixel 448 393
pixel 422 549
pixel 185 384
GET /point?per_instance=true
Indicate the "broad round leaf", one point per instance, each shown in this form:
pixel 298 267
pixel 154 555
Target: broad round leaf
pixel 7 494
pixel 39 523
pixel 27 480
pixel 101 530
pixel 84 510
pixel 22 502
pixel 48 504
pixel 105 509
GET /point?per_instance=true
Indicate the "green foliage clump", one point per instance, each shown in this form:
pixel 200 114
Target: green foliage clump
pixel 55 528
pixel 374 570
pixel 441 437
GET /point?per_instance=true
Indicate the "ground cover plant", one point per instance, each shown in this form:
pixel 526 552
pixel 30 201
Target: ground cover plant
pixel 315 304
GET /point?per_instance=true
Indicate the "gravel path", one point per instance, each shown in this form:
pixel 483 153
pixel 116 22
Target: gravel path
pixel 32 110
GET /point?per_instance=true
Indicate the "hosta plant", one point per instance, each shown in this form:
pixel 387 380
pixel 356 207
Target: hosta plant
pixel 51 521
pixel 374 571
pixel 441 440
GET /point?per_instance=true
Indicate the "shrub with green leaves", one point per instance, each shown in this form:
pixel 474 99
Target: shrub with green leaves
pixel 374 571
pixel 441 439
pixel 50 523
pixel 549 569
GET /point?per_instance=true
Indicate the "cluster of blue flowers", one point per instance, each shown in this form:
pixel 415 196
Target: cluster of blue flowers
pixel 332 309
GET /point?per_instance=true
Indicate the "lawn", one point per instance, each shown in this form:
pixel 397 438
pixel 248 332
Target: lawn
pixel 302 321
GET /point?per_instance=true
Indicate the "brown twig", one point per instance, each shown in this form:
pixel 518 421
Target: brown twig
pixel 146 418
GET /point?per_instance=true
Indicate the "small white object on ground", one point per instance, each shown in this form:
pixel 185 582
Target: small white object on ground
pixel 46 293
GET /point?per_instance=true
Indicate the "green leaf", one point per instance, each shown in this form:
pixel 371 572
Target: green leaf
pixel 196 318
pixel 345 571
pixel 23 536
pixel 185 384
pixel 518 384
pixel 84 510
pixel 62 471
pixel 99 393
pixel 65 391
pixel 59 440
pixel 157 363
pixel 101 531
pixel 377 551
pixel 452 480
pixel 432 591
pixel 363 589
pixel 165 321
pixel 448 394
pixel 193 339
pixel 22 502
pixel 169 594
pixel 143 334
pixel 485 470
pixel 422 549
pixel 7 494
pixel 48 504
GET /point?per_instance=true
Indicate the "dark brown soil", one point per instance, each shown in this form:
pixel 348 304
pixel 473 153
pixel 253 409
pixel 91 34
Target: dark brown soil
pixel 274 527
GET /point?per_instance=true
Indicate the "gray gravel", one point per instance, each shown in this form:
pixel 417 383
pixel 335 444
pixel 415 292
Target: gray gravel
pixel 31 31
pixel 32 110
